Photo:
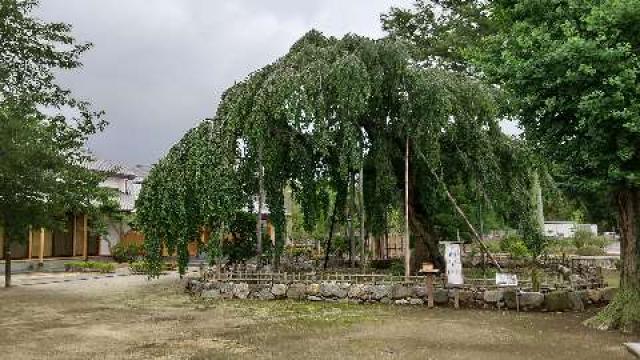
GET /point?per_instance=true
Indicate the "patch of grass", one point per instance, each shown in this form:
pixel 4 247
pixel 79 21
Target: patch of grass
pixel 83 266
pixel 301 313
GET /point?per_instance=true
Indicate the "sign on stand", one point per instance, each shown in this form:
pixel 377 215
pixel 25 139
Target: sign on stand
pixel 452 257
pixel 505 279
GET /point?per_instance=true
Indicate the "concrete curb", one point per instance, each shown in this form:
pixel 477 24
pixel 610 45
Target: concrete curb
pixel 633 348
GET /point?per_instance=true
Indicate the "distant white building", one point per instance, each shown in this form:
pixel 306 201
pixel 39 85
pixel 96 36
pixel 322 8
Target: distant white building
pixel 567 229
pixel 127 183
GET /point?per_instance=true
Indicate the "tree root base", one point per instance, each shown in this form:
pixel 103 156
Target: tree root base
pixel 623 313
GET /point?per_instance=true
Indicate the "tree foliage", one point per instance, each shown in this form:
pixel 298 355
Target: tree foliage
pixel 568 72
pixel 571 69
pixel 312 118
pixel 43 172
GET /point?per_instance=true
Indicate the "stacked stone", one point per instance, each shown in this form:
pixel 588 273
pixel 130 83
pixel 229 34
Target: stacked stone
pixel 554 301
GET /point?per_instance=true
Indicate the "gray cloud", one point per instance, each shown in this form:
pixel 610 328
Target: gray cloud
pixel 159 67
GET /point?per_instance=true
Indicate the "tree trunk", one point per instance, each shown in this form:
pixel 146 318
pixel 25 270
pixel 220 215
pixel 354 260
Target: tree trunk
pixel 628 203
pixel 6 253
pixel 328 249
pixel 622 313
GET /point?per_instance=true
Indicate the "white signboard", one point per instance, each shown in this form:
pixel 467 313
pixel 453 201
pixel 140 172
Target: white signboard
pixel 454 264
pixel 504 279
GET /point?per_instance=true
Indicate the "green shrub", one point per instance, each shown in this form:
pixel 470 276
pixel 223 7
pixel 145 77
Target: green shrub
pixel 82 266
pixel 590 250
pixel 138 267
pixel 515 246
pixel 241 246
pixel 122 253
pixel 397 267
pixel 583 239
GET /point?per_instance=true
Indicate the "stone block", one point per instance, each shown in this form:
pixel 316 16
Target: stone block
pixel 577 300
pixel 607 294
pixel 313 289
pixel 401 292
pixel 441 296
pixel 226 290
pixel 558 301
pixel 279 290
pixel 241 291
pixel 416 301
pixel 380 291
pixel 493 296
pixel 211 294
pixel 594 296
pixel 420 291
pixel 357 291
pixel 296 291
pixel 531 300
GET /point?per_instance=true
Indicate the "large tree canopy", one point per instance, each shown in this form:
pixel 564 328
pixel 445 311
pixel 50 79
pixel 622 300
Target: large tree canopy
pixel 569 72
pixel 43 171
pixel 314 118
pixel 571 68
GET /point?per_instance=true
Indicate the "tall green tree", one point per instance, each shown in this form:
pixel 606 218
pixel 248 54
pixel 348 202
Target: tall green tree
pixel 314 117
pixel 571 68
pixel 569 73
pixel 42 158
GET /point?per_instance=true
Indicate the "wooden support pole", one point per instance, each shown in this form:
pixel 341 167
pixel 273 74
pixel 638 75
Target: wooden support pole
pixel 30 244
pixel 41 260
pixel 430 290
pixel 407 254
pixel 85 239
pixel 74 235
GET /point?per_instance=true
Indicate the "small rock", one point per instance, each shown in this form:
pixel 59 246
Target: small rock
pixel 420 291
pixel 328 289
pixel 401 292
pixel 402 302
pixel 313 289
pixel 577 300
pixel 414 301
pixel 607 294
pixel 594 296
pixel 356 291
pixel 314 298
pixel 385 300
pixel 226 290
pixel 379 292
pixel 241 291
pixel 279 290
pixel 264 294
pixel 531 300
pixel 441 296
pixel 493 296
pixel 296 291
pixel 211 294
pixel 466 297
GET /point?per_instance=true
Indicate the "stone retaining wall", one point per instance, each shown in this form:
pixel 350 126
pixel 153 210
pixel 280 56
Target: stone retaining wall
pixel 561 300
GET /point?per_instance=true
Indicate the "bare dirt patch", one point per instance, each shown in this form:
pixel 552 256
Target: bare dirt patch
pixel 135 319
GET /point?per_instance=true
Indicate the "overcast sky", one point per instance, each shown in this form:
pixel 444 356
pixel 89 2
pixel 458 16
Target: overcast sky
pixel 159 67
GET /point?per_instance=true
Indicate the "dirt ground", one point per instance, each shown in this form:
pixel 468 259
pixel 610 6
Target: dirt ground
pixel 132 318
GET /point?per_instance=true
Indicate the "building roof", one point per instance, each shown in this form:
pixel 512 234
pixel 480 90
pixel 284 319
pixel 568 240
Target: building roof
pixel 108 166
